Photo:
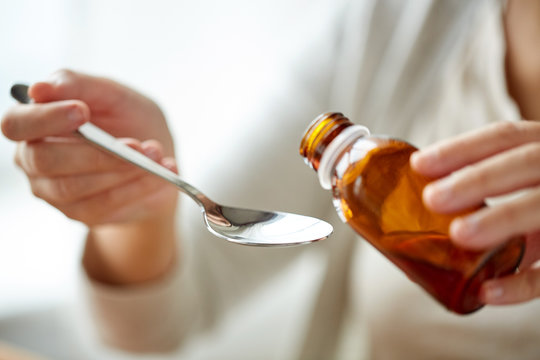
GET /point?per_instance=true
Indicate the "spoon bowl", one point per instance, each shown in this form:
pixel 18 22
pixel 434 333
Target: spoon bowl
pixel 241 226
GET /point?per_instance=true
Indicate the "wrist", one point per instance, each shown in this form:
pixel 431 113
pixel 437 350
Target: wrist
pixel 131 253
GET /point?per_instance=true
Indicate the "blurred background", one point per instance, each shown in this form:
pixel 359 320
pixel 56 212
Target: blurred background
pixel 199 60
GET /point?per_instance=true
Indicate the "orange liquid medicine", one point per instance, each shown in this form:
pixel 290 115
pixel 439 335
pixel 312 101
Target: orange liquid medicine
pixel 376 192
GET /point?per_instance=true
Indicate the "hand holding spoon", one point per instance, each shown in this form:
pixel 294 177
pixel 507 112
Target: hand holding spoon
pixel 242 226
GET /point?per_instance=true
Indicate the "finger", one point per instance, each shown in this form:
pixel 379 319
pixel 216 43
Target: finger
pixel 64 190
pixel 449 155
pixel 513 289
pixel 500 174
pixel 119 203
pixel 63 157
pixel 493 225
pixel 99 93
pixel 33 121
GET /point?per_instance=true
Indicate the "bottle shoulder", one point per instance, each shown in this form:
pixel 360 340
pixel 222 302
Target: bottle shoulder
pixel 385 141
pixel 374 156
pixel 370 146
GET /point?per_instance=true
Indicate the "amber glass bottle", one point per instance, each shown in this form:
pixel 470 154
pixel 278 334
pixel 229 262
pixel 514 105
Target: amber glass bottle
pixel 380 197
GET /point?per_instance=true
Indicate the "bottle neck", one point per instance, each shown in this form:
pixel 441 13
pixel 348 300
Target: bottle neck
pixel 325 140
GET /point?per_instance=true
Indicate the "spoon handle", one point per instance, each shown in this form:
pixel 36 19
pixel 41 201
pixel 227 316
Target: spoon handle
pixel 106 141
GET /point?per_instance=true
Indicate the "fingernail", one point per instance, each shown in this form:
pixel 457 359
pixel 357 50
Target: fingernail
pixel 421 161
pixel 170 164
pixel 152 153
pixel 75 116
pixel 427 155
pixel 414 159
pixel 492 292
pixel 439 193
pixel 462 229
pixel 429 195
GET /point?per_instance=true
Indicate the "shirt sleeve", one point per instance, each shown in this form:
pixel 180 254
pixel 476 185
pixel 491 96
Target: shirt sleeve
pixel 142 318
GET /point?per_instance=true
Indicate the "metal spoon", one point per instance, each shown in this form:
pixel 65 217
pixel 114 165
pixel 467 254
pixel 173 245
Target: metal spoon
pixel 242 226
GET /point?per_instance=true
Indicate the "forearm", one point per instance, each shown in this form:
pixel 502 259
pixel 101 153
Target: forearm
pixel 522 28
pixel 131 253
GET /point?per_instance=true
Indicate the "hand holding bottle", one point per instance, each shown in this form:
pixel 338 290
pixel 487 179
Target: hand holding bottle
pixel 497 160
pixel 380 197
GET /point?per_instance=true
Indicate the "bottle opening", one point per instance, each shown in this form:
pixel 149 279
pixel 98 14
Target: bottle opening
pixel 323 132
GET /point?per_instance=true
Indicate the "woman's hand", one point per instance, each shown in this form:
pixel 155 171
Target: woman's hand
pixel 118 201
pixel 498 160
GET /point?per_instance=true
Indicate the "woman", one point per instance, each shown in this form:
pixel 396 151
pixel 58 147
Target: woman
pixel 419 70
